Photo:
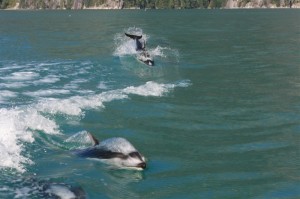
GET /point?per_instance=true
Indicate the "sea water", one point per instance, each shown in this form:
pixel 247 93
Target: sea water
pixel 218 116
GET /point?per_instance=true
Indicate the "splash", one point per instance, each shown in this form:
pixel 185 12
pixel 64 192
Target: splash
pixel 124 45
pixel 78 140
pixel 16 130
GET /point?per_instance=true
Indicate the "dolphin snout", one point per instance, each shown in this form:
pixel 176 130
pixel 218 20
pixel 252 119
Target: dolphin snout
pixel 142 165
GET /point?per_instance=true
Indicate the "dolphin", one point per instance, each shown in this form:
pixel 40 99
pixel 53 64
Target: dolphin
pixel 139 44
pixel 63 191
pixel 143 55
pixel 114 151
pixel 43 188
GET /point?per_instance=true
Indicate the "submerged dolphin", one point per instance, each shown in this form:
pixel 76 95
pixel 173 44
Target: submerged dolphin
pixel 114 151
pixel 63 191
pixel 36 188
pixel 141 49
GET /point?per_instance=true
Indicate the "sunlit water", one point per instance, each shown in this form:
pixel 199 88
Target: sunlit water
pixel 218 116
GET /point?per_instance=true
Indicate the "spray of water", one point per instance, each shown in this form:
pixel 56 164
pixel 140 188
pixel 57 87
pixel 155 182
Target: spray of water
pixel 125 46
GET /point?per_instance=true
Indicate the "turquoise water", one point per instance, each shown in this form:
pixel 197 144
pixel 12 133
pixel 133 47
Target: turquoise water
pixel 216 117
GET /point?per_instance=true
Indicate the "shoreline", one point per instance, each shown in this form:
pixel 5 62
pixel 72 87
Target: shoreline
pixel 229 6
pixel 93 8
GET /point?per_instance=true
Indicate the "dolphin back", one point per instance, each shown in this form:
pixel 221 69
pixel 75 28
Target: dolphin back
pixel 99 153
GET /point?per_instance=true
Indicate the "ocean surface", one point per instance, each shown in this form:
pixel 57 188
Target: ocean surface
pixel 218 116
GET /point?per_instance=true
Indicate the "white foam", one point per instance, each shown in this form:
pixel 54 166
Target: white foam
pixel 11 67
pixel 42 65
pixel 71 86
pixel 5 188
pixel 78 81
pixel 74 85
pixel 102 85
pixel 154 89
pixel 62 192
pixel 85 92
pixel 6 94
pixel 49 92
pixel 10 133
pixel 47 80
pixel 127 47
pixel 16 126
pixel 158 51
pixel 148 89
pixel 79 140
pixel 184 83
pixel 13 85
pixel 17 76
pixel 54 106
pixel 75 105
pixel 23 192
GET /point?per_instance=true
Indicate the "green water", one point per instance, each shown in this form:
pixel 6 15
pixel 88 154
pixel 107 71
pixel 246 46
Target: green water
pixel 218 116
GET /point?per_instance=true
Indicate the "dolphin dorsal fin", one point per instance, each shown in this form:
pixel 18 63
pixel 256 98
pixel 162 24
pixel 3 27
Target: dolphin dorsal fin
pixel 133 36
pixel 93 139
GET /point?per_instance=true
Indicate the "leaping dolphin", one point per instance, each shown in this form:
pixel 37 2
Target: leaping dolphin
pixel 139 45
pixel 143 55
pixel 114 151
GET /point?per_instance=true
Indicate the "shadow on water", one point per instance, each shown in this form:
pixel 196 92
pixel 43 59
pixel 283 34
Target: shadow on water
pixel 120 183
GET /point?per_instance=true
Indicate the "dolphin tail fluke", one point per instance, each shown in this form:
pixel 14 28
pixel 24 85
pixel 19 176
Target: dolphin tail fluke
pixel 133 36
pixel 94 140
